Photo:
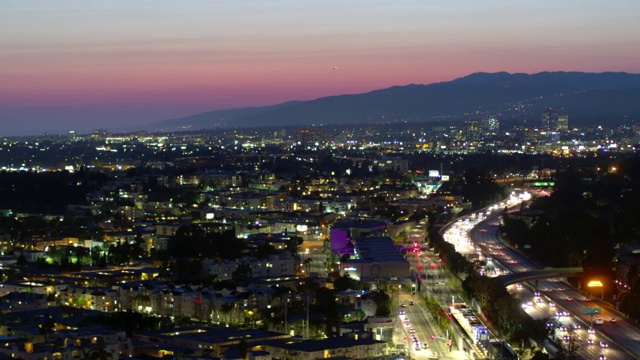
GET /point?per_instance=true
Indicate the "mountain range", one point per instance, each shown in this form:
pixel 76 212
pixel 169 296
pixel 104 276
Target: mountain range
pixel 584 97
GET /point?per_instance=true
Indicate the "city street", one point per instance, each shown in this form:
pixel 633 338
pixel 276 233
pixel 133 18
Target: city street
pixel 313 257
pixel 425 331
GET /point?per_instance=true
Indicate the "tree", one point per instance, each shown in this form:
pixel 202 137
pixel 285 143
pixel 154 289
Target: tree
pixel 264 250
pixel 307 265
pixel 631 303
pixel 241 274
pixel 569 349
pixel 345 282
pixel 97 353
pixel 293 244
pixel 539 355
pixel 47 327
pixel 226 309
pixel 243 348
pixel 383 303
pixel 187 270
pixel 21 261
pixel 196 241
pixel 120 221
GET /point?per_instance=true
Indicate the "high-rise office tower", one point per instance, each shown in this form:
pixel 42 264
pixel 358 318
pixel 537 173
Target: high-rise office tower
pixel 490 125
pixel 309 136
pixel 549 119
pixel 563 122
pixel 472 130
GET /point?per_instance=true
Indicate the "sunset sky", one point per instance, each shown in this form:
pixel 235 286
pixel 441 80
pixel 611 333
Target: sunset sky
pixel 83 64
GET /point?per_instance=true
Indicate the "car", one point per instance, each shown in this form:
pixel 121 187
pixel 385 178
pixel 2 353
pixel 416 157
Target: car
pixel 569 298
pixel 591 331
pixel 604 344
pixel 536 293
pixel 552 304
pixel 411 303
pixel 613 320
pixel 549 289
pixel 425 346
pixel 565 337
pixel 590 341
pixel 575 326
pixel 563 329
pixel 417 347
pixel 412 331
pixel 587 299
pixel 539 300
pixel 401 312
pixel 602 357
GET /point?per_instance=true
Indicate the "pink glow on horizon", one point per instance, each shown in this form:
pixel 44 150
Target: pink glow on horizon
pixel 186 56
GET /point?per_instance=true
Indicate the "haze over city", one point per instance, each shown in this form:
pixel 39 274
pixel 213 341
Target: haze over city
pixel 78 65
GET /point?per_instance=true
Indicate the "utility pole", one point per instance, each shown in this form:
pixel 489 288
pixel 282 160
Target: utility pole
pixel 286 324
pixel 307 322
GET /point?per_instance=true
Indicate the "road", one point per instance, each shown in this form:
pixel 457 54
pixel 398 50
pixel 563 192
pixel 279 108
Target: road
pixel 434 284
pixel 623 337
pixel 313 251
pixel 425 331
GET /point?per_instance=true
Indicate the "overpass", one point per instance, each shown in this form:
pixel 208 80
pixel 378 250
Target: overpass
pixel 547 273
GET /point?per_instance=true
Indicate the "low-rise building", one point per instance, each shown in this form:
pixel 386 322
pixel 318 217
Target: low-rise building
pixel 375 258
pixel 18 301
pixel 278 265
pixel 211 339
pixel 360 346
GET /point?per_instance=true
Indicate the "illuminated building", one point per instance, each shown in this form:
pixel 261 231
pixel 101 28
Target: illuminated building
pixel 549 119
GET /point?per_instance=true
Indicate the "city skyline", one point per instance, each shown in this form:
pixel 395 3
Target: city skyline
pixel 78 65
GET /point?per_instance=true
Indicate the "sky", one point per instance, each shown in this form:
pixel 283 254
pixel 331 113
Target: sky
pixel 117 64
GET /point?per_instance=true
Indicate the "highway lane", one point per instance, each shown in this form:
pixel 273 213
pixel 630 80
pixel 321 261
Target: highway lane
pixel 623 333
pixel 543 307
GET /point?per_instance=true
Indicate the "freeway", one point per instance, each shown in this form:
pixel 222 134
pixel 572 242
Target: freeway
pixel 622 338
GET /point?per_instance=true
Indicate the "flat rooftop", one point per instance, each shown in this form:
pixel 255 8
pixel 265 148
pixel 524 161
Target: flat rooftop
pixel 378 249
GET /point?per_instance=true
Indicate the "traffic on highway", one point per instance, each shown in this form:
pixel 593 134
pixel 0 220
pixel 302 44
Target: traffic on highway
pixel 575 320
pixel 571 316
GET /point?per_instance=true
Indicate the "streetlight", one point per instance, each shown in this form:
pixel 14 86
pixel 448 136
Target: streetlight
pixel 597 284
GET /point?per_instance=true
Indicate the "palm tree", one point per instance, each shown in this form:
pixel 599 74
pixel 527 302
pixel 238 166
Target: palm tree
pixel 307 265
